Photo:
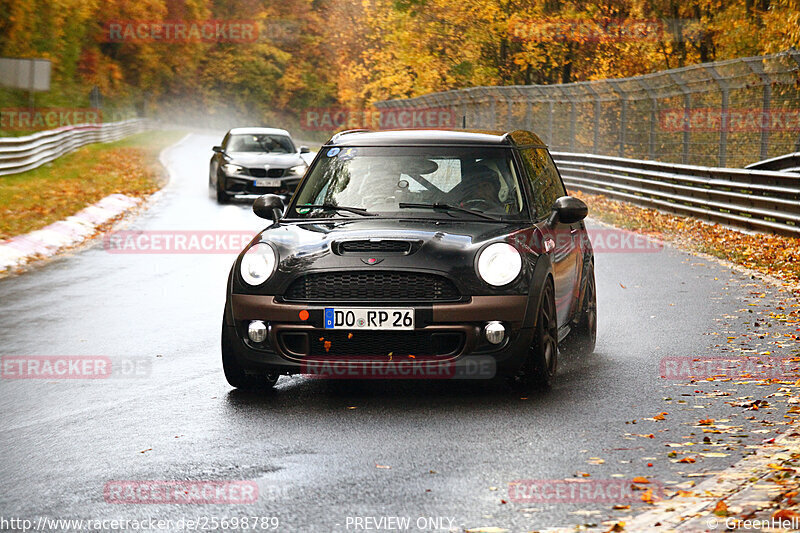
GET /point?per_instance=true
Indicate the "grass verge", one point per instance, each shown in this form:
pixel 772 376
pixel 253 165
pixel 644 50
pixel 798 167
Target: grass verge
pixel 32 200
pixel 774 255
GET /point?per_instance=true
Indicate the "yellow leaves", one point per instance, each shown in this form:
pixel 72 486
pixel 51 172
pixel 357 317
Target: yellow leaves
pixel 706 422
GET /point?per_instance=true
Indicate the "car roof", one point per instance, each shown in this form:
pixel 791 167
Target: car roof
pixel 434 137
pixel 255 131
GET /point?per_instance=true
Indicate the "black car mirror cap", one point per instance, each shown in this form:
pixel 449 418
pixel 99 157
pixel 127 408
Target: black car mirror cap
pixel 268 206
pixel 568 210
pixel 217 149
pixel 305 150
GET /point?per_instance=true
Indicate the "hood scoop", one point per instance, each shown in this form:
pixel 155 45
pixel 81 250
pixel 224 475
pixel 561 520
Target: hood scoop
pixel 375 246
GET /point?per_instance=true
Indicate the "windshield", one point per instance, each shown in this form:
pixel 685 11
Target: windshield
pixel 384 180
pixel 279 144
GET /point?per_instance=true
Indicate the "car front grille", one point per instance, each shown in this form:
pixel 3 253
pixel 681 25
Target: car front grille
pixel 264 173
pixel 380 344
pixel 382 246
pixel 372 285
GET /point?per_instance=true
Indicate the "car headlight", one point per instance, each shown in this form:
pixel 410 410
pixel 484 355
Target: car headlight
pixel 297 170
pixel 258 263
pixel 231 170
pixel 499 264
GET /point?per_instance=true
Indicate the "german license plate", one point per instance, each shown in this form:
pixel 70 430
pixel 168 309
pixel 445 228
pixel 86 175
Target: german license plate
pixel 267 182
pixel 369 318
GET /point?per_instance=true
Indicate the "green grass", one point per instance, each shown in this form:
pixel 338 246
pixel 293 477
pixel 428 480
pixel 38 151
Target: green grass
pixel 34 199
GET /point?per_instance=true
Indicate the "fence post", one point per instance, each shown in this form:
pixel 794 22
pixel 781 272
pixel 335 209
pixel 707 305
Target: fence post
pixel 723 115
pixel 529 115
pixel 623 115
pixel 687 109
pixel 492 112
pixel 550 121
pixel 651 140
pixel 766 100
pixel 595 117
pixel 510 117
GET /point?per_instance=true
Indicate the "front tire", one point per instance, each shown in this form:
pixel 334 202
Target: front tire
pixel 581 340
pixel 234 372
pixel 222 196
pixel 539 369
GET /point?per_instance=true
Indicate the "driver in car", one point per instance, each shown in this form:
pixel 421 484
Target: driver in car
pixel 480 188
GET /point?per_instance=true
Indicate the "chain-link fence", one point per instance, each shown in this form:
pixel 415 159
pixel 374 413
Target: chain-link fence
pixel 728 113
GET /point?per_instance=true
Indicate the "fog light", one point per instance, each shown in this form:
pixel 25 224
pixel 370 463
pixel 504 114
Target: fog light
pixel 257 331
pixel 495 332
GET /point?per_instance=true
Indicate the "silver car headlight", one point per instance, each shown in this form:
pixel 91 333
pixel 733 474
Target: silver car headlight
pixel 499 264
pixel 258 263
pixel 297 170
pixel 232 170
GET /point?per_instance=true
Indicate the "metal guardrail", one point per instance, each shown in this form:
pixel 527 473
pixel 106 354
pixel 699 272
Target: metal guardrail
pixel 761 200
pixel 784 163
pixel 18 154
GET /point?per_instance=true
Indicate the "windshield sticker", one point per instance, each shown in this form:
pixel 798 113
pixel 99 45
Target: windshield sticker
pixel 332 152
pixel 348 154
pixel 303 210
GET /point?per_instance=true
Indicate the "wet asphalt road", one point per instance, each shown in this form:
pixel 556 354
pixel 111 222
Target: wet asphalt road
pixel 314 447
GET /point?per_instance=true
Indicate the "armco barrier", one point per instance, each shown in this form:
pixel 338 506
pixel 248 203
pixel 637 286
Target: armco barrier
pixel 18 154
pixel 761 200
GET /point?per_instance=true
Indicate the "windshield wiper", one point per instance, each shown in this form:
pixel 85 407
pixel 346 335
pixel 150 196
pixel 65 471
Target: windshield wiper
pixel 331 207
pixel 448 207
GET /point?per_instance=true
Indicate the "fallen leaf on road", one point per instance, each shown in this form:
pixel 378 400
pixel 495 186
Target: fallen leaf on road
pixel 687 460
pixel 640 479
pixel 721 509
pixel 785 514
pixel 383 466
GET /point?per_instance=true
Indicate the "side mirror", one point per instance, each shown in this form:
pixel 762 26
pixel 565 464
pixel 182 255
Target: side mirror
pixel 268 206
pixel 304 150
pixel 569 210
pixel 217 149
